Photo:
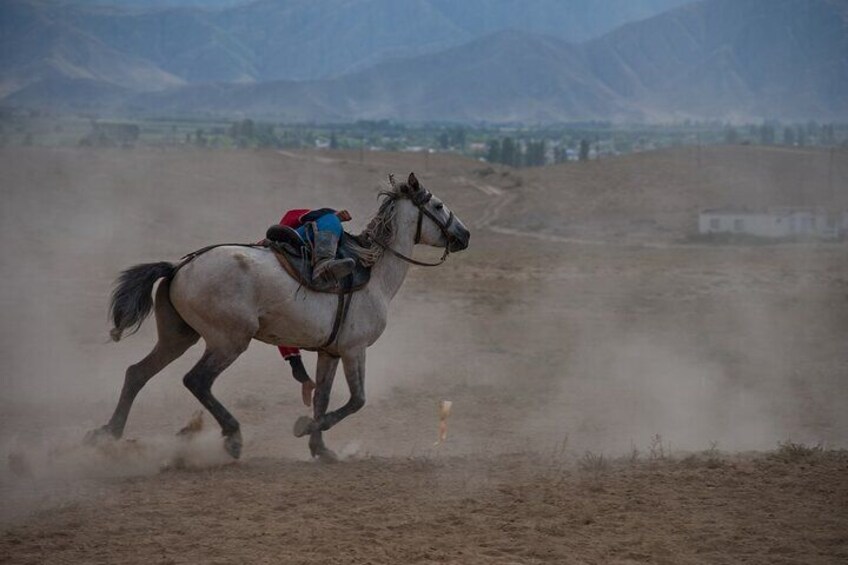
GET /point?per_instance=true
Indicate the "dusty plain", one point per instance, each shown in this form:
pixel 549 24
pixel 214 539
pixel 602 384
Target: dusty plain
pixel 621 394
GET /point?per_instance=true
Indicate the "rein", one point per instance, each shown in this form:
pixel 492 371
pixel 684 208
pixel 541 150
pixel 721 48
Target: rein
pixel 400 255
pixel 420 202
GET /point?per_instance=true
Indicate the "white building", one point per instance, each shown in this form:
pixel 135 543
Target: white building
pixel 774 222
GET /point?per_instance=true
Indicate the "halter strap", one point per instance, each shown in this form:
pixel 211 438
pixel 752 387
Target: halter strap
pixel 420 200
pixel 418 227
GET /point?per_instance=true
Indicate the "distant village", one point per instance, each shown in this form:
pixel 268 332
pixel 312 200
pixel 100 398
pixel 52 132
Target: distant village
pixel 511 145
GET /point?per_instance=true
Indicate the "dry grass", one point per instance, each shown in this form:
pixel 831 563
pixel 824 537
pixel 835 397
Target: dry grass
pixel 593 463
pixel 792 452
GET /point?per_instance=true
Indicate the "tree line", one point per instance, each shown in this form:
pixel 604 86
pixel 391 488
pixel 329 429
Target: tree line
pixel 531 153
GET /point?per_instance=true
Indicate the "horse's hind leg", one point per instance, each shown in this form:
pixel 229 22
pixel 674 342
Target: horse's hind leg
pixel 199 381
pixel 174 338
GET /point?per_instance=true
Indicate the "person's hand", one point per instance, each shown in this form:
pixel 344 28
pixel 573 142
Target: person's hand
pixel 306 390
pixel 344 215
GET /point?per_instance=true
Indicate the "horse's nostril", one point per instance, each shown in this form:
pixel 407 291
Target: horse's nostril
pixel 459 242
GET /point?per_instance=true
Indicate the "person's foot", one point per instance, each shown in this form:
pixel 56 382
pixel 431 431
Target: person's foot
pixel 306 390
pixel 333 269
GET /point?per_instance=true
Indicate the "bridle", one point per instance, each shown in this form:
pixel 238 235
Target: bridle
pixel 420 199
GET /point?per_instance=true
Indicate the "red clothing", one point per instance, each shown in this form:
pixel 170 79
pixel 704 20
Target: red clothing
pixel 292 220
pixel 287 352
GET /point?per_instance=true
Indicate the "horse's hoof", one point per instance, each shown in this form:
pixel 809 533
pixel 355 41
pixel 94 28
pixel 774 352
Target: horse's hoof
pixel 232 443
pixel 302 426
pixel 326 456
pixel 323 454
pixel 98 435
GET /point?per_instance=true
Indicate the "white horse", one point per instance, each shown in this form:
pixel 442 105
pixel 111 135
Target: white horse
pixel 231 295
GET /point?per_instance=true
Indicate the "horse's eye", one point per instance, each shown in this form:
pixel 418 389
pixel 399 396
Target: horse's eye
pixel 438 206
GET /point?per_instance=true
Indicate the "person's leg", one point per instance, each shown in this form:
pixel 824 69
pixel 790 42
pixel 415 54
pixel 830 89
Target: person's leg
pixel 328 230
pixel 298 370
pixel 307 386
pixel 330 223
pixel 327 223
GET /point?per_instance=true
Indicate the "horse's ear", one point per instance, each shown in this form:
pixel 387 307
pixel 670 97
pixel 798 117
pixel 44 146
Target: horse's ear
pixel 392 181
pixel 413 182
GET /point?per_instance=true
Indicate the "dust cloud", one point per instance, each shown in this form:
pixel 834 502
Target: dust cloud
pixel 732 364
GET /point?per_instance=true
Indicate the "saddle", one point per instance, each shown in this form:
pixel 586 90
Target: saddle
pixel 296 257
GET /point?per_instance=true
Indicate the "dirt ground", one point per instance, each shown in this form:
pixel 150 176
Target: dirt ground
pixel 618 396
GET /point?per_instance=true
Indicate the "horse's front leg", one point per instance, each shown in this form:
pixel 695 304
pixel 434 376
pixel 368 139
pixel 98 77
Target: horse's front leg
pixel 354 367
pixel 324 376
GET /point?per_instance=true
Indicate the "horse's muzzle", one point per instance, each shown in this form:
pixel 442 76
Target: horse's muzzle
pixel 459 241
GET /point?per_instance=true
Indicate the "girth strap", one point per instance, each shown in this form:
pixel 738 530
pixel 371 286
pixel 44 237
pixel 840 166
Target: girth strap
pixel 341 315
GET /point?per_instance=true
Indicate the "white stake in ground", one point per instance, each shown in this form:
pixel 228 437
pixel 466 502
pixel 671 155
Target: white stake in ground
pixel 444 412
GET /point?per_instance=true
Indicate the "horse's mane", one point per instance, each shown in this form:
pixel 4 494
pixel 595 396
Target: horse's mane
pixel 381 227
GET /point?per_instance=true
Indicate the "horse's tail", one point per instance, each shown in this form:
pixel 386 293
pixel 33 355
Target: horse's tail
pixel 132 298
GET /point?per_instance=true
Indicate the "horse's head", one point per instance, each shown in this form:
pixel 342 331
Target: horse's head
pixel 437 226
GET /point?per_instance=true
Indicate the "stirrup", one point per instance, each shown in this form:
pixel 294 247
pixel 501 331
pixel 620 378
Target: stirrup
pixel 333 269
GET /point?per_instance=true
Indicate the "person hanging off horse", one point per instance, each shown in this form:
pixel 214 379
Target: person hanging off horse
pixel 323 227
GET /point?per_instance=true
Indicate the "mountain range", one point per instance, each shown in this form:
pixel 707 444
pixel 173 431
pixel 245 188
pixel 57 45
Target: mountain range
pixel 420 60
pixel 282 39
